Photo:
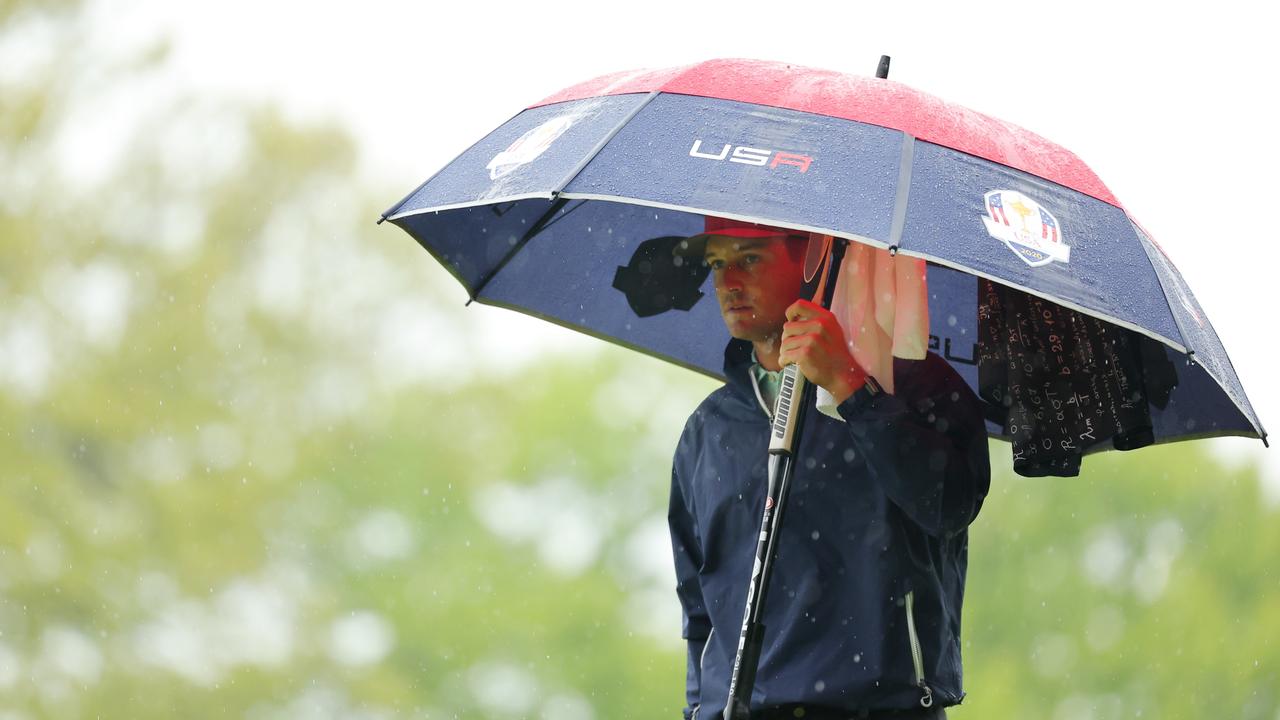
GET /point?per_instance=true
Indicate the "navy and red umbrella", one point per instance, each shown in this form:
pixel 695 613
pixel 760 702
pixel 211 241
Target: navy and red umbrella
pixel 1050 300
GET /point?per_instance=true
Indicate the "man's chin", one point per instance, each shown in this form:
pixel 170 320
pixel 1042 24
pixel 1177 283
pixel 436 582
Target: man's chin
pixel 742 331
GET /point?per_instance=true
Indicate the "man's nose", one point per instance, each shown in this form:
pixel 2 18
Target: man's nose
pixel 729 279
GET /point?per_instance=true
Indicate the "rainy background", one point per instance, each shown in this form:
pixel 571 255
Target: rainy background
pixel 257 461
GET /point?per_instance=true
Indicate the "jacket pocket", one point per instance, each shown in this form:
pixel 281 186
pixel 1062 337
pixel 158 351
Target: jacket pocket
pixel 917 657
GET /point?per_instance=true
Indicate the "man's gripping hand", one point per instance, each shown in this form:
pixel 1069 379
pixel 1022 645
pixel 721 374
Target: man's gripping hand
pixel 812 339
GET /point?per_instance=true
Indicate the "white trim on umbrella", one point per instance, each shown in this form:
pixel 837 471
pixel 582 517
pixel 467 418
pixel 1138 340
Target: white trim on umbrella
pixel 823 231
pixel 545 195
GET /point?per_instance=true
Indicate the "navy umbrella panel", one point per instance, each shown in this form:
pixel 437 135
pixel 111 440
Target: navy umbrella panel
pixel 546 214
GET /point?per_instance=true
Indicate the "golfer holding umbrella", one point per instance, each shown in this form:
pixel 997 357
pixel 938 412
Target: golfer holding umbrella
pixel 1073 325
pixel 864 613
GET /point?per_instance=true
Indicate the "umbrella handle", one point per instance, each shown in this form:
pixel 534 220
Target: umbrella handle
pixel 786 420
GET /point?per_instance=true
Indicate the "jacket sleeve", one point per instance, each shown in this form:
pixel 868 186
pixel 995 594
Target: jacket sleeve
pixel 687 550
pixel 926 446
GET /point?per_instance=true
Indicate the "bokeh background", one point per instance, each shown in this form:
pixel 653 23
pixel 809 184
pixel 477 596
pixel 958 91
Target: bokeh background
pixel 257 461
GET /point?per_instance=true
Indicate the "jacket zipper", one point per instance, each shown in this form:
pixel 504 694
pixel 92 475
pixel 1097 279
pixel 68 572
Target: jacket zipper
pixel 702 659
pixel 917 657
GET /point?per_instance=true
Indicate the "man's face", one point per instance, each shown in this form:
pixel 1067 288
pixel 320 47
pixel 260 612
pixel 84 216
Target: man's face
pixel 756 280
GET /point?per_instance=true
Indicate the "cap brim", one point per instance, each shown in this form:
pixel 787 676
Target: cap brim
pixel 696 245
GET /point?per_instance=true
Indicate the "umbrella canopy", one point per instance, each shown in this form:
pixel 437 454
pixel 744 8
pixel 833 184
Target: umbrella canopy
pixel 1044 294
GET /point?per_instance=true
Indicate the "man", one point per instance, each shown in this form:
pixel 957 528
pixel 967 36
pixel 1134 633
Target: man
pixel 863 616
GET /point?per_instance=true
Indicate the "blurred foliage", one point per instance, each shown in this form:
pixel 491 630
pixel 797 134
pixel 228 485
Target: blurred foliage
pixel 1145 588
pixel 255 462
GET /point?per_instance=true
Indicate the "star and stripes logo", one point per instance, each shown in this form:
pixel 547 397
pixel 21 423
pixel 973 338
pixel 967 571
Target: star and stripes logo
pixel 1026 227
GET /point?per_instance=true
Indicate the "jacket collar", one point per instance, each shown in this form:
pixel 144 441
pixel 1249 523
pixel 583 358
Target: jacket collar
pixel 738 360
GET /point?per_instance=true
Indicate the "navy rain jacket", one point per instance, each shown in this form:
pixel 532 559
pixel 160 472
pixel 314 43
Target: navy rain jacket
pixel 864 609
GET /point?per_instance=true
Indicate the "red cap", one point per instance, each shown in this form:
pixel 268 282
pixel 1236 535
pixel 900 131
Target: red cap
pixel 738 228
pixel 696 245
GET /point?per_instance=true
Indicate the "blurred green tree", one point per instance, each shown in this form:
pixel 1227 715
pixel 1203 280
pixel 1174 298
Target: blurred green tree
pixel 232 479
pixel 1146 587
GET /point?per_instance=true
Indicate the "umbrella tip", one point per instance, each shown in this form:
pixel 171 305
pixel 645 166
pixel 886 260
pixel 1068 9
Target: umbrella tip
pixel 882 71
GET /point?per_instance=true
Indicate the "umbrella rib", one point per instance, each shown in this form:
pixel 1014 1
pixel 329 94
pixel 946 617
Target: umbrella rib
pixel 586 159
pixel 902 193
pixel 392 210
pixel 541 224
pixel 1150 249
pixel 563 214
pixel 548 218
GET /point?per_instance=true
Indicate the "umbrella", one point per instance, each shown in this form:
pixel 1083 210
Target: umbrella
pixel 1065 316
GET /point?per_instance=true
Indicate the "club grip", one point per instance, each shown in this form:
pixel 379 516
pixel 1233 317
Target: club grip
pixel 782 437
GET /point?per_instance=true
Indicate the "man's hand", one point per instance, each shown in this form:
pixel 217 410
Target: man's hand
pixel 813 340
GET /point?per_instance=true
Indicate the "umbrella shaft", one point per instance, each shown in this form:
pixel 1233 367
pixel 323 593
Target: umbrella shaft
pixel 751 640
pixel 781 470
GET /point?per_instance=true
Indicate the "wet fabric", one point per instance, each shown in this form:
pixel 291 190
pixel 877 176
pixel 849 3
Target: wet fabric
pixel 882 303
pixel 876 528
pixel 1061 383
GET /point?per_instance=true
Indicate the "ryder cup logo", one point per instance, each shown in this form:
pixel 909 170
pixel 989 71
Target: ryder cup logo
pixel 1029 230
pixel 529 146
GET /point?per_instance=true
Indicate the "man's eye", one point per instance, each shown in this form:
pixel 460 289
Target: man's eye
pixel 714 264
pixel 750 259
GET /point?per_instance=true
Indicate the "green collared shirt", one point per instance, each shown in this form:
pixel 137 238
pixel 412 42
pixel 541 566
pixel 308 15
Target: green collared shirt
pixel 768 381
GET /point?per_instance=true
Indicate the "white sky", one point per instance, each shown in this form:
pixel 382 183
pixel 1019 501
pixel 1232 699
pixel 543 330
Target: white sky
pixel 1174 105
